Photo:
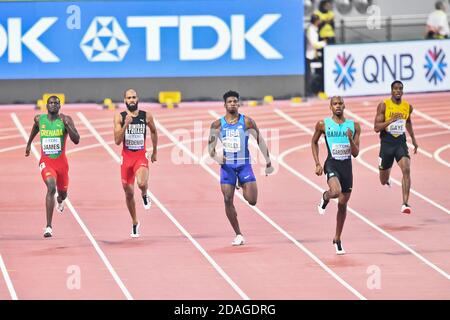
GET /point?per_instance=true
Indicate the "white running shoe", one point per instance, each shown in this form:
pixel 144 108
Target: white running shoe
pixel 135 230
pixel 60 206
pixel 147 202
pixel 406 209
pixel 322 205
pixel 48 232
pixel 339 248
pixel 238 241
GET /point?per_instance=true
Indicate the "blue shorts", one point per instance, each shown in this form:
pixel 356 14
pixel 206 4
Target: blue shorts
pixel 229 173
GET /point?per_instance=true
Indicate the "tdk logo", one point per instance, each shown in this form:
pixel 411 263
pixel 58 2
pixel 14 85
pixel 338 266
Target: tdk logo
pixel 16 37
pixel 106 41
pixel 234 36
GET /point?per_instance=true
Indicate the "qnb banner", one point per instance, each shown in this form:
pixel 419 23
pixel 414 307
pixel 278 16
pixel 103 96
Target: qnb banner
pixel 151 39
pixel 367 69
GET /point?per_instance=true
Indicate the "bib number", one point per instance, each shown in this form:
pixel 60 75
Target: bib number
pixel 134 141
pixel 51 146
pixel 232 144
pixel 397 127
pixel 341 151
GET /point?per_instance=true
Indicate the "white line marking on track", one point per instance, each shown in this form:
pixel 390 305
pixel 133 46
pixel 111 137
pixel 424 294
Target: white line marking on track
pixel 370 125
pixel 271 222
pixel 168 214
pixel 435 121
pixel 370 223
pixel 78 219
pixel 438 156
pixel 364 163
pixel 8 281
pixel 356 213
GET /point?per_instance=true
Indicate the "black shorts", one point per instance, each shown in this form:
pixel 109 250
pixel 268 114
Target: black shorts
pixel 342 170
pixel 390 151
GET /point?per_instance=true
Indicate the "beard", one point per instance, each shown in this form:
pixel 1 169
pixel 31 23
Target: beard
pixel 132 107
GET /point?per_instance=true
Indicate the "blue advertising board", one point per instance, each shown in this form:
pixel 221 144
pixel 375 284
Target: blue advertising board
pixel 93 39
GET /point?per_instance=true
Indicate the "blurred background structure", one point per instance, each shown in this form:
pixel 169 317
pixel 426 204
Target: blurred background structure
pixel 199 49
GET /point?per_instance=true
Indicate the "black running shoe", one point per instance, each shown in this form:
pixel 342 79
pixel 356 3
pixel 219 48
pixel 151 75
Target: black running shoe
pixel 146 201
pixel 323 204
pixel 338 245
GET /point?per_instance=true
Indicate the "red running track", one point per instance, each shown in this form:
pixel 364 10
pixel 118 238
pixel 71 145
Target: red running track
pixel 184 251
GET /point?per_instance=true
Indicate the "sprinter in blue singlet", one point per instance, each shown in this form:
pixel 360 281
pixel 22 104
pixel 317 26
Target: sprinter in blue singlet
pixel 233 131
pixel 342 140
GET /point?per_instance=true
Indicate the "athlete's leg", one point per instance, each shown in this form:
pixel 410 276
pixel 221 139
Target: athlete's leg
pixel 384 176
pixel 228 196
pixel 50 182
pixel 335 189
pixel 142 179
pixel 62 195
pixel 131 205
pixel 341 214
pixel 250 191
pixel 247 180
pixel 404 164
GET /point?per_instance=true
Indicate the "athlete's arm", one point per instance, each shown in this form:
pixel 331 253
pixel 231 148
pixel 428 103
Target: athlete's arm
pixel 354 139
pixel 254 131
pixel 119 131
pixel 212 141
pixel 70 127
pixel 154 135
pixel 380 123
pixel 320 128
pixel 409 127
pixel 34 132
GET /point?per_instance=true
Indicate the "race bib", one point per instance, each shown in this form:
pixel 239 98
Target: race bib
pixel 51 146
pixel 341 151
pixel 134 141
pixel 397 127
pixel 232 144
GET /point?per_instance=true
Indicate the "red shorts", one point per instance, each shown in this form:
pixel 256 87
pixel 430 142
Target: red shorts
pixel 131 162
pixel 56 168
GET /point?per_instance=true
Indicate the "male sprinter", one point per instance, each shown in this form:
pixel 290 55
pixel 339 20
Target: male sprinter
pixel 53 128
pixel 342 139
pixel 130 127
pixel 392 120
pixel 233 130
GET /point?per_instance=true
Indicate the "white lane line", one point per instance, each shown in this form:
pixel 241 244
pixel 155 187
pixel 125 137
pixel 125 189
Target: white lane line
pixel 364 163
pixel 435 121
pixel 270 221
pixel 300 176
pixel 78 219
pixel 168 214
pixel 8 281
pixel 356 213
pixel 370 125
pixel 438 156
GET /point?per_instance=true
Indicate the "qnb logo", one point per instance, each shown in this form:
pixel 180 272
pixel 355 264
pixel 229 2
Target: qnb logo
pixel 104 41
pixel 14 38
pixel 435 65
pixel 344 70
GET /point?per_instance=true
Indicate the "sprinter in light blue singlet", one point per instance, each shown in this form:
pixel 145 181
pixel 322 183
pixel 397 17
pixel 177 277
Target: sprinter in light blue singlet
pixel 233 131
pixel 342 140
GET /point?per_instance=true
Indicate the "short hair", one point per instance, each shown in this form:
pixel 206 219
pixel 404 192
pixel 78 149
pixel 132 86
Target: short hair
pixel 336 97
pixel 53 97
pixel 396 81
pixel 314 18
pixel 125 92
pixel 439 5
pixel 230 93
